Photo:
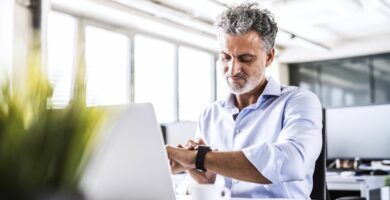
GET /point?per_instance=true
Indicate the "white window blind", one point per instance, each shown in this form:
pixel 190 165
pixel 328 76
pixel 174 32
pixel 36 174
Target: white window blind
pixel 107 67
pixel 222 87
pixel 61 47
pixel 155 76
pixel 195 82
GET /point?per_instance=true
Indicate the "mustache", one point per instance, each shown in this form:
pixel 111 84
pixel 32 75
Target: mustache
pixel 238 75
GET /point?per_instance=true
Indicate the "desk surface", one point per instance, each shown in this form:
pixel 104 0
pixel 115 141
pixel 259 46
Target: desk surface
pixel 188 197
pixel 337 182
pixel 353 179
pixel 179 177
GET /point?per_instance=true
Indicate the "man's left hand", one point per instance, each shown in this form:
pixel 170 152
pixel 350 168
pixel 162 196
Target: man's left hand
pixel 184 157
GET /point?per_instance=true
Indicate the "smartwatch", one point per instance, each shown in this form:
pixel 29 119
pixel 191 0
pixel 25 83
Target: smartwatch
pixel 199 160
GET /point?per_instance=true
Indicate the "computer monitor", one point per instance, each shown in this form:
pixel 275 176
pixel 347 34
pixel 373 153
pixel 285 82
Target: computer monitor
pixel 361 131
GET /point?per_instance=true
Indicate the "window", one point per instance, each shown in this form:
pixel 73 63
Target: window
pixel 346 82
pixel 61 50
pixel 196 75
pixel 381 73
pixel 107 67
pixel 154 76
pixel 222 87
pixel 306 76
pixel 179 81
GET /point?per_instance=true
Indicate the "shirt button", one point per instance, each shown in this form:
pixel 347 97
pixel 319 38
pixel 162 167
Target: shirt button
pixel 235 181
pixel 238 131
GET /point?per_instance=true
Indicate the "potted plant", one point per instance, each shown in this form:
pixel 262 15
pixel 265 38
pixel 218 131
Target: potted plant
pixel 43 151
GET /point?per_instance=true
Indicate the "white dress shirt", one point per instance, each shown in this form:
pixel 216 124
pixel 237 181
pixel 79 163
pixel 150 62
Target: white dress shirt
pixel 280 135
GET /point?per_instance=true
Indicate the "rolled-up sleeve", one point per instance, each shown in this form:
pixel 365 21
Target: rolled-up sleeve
pixel 298 145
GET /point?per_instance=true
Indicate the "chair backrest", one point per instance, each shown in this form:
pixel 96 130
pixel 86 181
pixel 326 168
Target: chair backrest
pixel 178 132
pixel 319 190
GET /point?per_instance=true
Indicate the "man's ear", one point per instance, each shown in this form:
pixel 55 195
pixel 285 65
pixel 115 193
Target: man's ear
pixel 270 57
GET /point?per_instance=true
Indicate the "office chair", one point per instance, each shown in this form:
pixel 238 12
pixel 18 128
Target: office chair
pixel 178 132
pixel 320 190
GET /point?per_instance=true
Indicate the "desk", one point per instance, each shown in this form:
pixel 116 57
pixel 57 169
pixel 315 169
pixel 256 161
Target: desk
pixel 365 184
pixel 179 177
pixel 187 197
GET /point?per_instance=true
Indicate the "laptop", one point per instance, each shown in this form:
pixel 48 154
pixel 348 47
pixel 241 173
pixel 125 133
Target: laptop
pixel 131 161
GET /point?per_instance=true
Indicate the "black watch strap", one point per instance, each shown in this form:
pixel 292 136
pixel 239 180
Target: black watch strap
pixel 199 160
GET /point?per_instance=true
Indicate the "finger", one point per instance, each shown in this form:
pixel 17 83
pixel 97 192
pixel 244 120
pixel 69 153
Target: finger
pixel 197 147
pixel 197 140
pixel 186 144
pixel 189 141
pixel 200 141
pixel 189 145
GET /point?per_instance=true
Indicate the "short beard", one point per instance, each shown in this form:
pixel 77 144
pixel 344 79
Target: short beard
pixel 251 83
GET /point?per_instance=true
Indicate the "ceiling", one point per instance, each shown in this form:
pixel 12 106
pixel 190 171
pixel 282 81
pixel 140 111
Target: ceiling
pixel 307 28
pixel 323 23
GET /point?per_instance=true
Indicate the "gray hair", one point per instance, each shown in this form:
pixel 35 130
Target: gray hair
pixel 240 19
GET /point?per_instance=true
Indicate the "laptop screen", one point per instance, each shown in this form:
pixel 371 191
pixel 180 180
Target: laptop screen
pixel 131 162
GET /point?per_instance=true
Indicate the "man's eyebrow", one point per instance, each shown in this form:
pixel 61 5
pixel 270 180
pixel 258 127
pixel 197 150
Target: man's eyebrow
pixel 244 54
pixel 247 55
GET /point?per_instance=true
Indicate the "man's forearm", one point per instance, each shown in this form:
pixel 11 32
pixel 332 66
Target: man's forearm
pixel 231 164
pixel 235 165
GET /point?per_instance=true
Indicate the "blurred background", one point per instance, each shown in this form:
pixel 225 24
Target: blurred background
pixel 165 52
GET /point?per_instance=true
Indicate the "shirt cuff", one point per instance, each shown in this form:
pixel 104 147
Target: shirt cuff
pixel 267 159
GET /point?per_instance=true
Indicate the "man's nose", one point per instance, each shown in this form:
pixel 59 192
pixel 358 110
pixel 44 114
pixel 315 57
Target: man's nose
pixel 234 67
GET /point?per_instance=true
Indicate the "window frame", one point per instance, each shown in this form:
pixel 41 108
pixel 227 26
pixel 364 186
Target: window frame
pixel 130 32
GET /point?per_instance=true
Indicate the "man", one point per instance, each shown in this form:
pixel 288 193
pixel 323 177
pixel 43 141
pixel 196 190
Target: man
pixel 267 136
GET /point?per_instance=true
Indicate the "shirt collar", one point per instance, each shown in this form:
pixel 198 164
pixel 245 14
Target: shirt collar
pixel 271 89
